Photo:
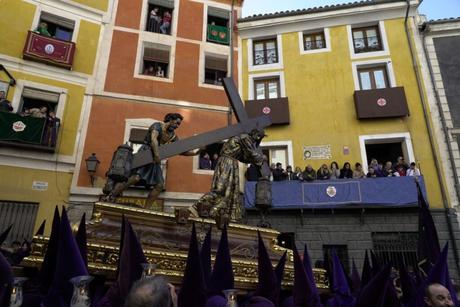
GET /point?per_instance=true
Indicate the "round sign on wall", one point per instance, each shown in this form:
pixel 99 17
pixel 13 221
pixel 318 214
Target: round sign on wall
pixel 266 110
pixel 381 102
pixel 49 49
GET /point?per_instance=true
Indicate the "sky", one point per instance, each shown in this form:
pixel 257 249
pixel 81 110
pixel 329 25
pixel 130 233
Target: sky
pixel 433 9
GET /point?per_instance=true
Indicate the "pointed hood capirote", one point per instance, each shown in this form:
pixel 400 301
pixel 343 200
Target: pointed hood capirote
pixel 267 285
pixel 80 237
pixel 222 274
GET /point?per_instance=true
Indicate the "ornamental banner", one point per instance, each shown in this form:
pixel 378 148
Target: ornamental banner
pixel 322 152
pixel 14 127
pixel 218 34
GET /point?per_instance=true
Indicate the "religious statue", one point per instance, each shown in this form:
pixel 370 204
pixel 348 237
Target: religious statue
pixel 224 200
pixel 150 175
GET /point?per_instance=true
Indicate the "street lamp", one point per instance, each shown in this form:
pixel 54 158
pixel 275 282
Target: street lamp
pixel 91 166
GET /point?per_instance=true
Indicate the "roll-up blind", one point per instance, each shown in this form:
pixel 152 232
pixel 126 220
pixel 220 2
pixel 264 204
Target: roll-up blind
pixel 156 55
pixel 40 95
pixel 63 22
pixel 216 63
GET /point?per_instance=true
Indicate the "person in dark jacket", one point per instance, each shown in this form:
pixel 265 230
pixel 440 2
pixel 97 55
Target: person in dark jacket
pixel 346 171
pixel 323 173
pixel 309 173
pixel 278 173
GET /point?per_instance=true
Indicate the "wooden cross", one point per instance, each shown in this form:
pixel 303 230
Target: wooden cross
pixel 244 125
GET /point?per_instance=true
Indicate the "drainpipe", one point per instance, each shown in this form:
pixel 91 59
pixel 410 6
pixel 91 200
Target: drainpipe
pixel 432 142
pixel 231 26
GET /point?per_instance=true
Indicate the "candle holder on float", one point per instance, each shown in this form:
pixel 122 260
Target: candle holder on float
pixel 16 292
pixel 80 296
pixel 230 296
pixel 148 270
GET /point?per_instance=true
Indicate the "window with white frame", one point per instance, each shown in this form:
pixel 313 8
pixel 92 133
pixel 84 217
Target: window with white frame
pixel 373 77
pixel 215 69
pixel 33 100
pixel 367 39
pixel 159 16
pixel 267 88
pixel 55 26
pixel 137 137
pixel 155 60
pixel 276 154
pixel 218 26
pixel 265 51
pixel 313 41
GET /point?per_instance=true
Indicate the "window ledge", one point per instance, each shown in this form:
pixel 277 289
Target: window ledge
pixel 313 51
pixel 370 54
pixel 167 80
pixel 265 67
pixel 211 86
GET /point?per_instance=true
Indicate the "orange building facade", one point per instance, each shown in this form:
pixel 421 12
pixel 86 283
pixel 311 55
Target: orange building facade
pixel 157 57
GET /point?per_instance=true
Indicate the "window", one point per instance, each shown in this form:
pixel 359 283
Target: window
pixel 58 27
pixel 367 39
pixel 373 77
pixel 267 88
pixel 22 216
pixel 207 159
pixel 36 99
pixel 136 138
pixel 156 61
pixel 215 69
pixel 159 16
pixel 276 154
pixel 265 52
pixel 217 27
pixel 342 253
pixel 312 41
pixel 396 247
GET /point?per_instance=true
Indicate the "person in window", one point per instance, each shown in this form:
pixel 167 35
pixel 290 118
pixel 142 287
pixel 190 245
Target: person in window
pixel 346 172
pixel 323 173
pixel 371 173
pixel 335 171
pixel 149 71
pixel 377 168
pixel 309 174
pixel 401 166
pixel 388 170
pixel 5 104
pixel 166 25
pixel 214 159
pixel 160 72
pixel 51 129
pixel 154 20
pixel 36 112
pixel 358 172
pixel 205 161
pixel 413 170
pixel 278 173
pixel 42 29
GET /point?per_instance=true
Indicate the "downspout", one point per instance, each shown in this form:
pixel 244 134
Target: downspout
pixel 432 142
pixel 231 26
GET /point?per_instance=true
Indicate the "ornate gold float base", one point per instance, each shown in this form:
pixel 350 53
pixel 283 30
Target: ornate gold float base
pixel 165 243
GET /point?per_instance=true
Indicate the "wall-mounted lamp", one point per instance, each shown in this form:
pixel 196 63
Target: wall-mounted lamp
pixel 91 166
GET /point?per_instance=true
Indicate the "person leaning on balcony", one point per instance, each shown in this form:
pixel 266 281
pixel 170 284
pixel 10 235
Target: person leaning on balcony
pixel 150 71
pixel 346 172
pixel 413 170
pixel 371 173
pixel 37 112
pixel 401 166
pixel 335 171
pixel 388 170
pixel 323 173
pixel 358 172
pixel 309 173
pixel 42 29
pixel 377 169
pixel 166 25
pixel 51 129
pixel 5 104
pixel 160 72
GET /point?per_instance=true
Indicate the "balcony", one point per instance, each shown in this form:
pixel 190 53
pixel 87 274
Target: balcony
pixel 27 132
pixel 276 108
pixel 49 50
pixel 381 103
pixel 218 34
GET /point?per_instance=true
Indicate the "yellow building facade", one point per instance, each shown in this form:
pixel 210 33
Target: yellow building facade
pixel 320 83
pixel 48 54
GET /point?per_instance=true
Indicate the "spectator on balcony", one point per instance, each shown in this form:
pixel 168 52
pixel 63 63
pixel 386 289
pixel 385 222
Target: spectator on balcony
pixel 298 173
pixel 335 171
pixel 401 166
pixel 42 29
pixel 323 173
pixel 377 168
pixel 36 112
pixel 371 173
pixel 413 170
pixel 166 25
pixel 205 161
pixel 290 175
pixel 160 72
pixel 5 104
pixel 149 71
pixel 358 172
pixel 388 170
pixel 51 129
pixel 154 20
pixel 279 174
pixel 346 172
pixel 215 157
pixel 309 173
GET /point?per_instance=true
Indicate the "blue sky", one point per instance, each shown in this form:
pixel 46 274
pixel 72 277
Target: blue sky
pixel 434 9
